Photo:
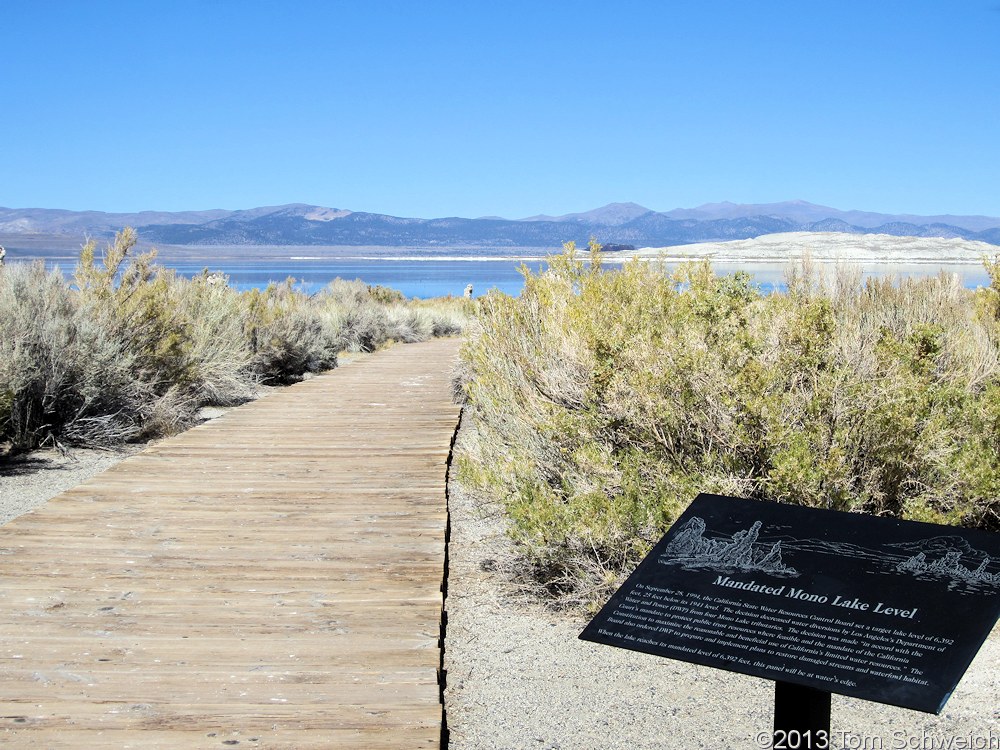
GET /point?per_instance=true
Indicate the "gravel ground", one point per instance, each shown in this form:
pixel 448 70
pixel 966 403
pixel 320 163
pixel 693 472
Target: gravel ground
pixel 518 677
pixel 28 480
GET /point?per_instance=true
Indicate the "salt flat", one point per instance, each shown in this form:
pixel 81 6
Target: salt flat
pixel 825 247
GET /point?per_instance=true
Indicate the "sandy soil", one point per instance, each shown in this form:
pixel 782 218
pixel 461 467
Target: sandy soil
pixel 27 481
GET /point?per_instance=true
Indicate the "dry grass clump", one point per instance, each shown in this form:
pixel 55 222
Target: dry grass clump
pixel 605 402
pixel 132 350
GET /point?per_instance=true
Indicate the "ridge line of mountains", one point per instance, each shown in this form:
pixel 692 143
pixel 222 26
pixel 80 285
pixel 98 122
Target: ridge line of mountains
pixel 615 224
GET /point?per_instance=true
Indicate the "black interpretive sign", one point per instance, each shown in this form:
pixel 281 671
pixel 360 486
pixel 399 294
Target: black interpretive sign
pixel 884 610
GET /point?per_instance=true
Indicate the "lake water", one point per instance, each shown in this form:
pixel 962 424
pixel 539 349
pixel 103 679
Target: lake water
pixel 414 278
pixel 438 278
pixel 422 273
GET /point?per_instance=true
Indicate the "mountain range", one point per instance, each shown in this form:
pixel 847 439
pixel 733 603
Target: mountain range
pixel 616 223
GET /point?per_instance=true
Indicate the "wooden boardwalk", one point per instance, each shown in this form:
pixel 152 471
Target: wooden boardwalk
pixel 270 579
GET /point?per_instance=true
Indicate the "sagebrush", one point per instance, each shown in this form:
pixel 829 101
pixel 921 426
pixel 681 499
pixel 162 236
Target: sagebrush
pixel 604 402
pixel 130 349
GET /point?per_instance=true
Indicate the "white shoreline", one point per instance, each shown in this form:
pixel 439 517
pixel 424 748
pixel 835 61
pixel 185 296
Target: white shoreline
pixel 821 247
pixel 826 247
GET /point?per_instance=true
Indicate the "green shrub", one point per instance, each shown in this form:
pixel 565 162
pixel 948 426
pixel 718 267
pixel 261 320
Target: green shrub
pixel 132 301
pixel 604 402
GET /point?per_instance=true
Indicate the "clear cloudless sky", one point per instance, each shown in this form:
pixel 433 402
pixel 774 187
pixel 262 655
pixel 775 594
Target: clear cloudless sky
pixel 500 108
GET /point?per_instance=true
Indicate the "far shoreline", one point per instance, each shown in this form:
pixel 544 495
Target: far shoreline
pixel 423 272
pixel 828 247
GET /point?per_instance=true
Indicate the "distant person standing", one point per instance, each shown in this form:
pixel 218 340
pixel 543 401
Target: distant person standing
pixel 468 290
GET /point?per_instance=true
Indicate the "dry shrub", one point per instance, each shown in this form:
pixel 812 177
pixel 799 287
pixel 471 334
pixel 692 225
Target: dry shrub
pixel 287 333
pixel 223 368
pixel 135 350
pixel 605 402
pixel 363 321
pixel 370 317
pixel 63 375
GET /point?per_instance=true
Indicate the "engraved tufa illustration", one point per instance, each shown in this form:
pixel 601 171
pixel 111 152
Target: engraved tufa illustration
pixel 692 549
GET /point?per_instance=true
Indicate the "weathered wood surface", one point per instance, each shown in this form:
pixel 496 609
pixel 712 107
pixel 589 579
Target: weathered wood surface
pixel 270 579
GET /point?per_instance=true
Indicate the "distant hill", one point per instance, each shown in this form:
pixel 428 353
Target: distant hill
pixel 613 214
pixel 617 223
pixel 809 213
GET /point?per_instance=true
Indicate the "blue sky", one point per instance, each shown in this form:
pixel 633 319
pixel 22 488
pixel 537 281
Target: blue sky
pixel 514 108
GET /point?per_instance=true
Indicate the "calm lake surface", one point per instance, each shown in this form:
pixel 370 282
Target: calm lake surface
pixel 438 278
pixel 419 272
pixel 414 278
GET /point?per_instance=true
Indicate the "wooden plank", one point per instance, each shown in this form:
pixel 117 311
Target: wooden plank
pixel 338 713
pixel 269 579
pixel 369 738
